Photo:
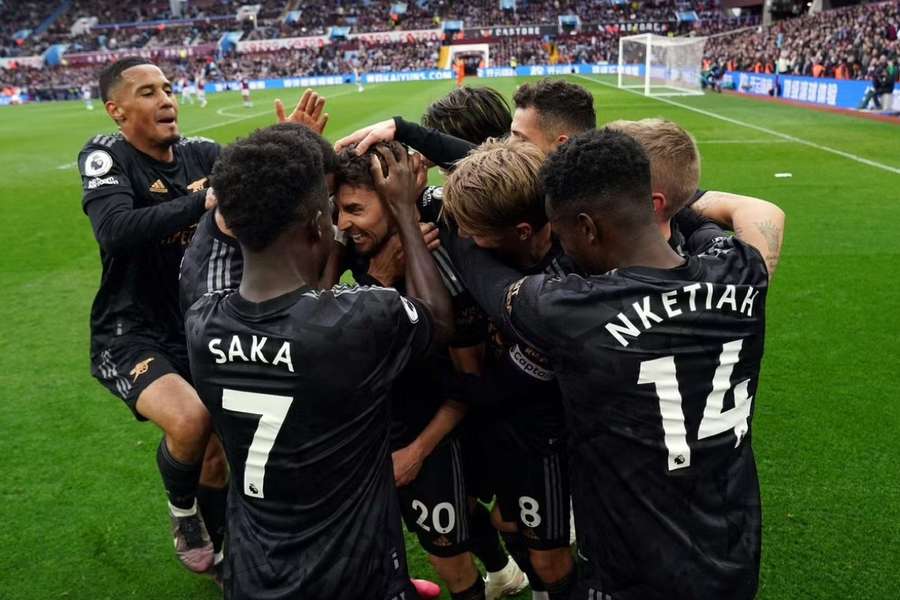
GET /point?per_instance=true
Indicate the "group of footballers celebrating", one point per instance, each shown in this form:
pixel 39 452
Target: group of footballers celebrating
pixel 549 364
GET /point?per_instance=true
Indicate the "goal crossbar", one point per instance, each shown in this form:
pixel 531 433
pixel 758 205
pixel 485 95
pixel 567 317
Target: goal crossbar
pixel 660 65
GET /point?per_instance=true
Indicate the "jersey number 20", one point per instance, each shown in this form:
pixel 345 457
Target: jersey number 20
pixel 662 373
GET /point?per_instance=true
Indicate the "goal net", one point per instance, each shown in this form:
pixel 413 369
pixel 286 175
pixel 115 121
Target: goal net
pixel 660 65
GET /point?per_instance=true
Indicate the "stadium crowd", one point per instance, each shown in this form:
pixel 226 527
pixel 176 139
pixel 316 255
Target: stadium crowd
pixel 845 43
pixel 211 18
pixel 330 59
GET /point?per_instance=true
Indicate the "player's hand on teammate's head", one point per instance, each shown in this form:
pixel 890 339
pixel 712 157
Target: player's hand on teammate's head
pixel 211 200
pixel 365 138
pixel 309 112
pixel 394 174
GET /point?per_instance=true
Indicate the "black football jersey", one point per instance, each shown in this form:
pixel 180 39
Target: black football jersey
pixel 531 402
pixel 143 213
pixel 212 262
pixel 427 382
pixel 298 389
pixel 659 372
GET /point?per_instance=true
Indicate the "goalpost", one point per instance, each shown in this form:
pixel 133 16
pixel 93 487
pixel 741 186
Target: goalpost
pixel 660 65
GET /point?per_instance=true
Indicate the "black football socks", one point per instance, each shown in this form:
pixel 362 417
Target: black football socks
pixel 179 479
pixel 211 502
pixel 485 541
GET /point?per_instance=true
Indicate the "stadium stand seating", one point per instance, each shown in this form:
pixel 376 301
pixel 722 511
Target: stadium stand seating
pixel 150 25
pixel 840 43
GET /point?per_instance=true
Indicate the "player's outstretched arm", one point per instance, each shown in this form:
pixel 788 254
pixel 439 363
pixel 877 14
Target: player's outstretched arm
pixel 365 138
pixel 309 112
pixel 397 191
pixel 439 148
pixel 754 221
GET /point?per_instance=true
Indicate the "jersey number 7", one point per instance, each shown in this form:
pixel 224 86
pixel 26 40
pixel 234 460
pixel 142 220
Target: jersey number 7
pixel 272 410
pixel 662 373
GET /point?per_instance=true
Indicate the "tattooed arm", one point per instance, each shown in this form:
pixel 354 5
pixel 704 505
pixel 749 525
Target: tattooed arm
pixel 754 221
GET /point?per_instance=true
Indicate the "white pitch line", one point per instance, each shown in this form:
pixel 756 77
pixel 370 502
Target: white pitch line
pixel 221 111
pixel 237 119
pixel 745 142
pixel 772 132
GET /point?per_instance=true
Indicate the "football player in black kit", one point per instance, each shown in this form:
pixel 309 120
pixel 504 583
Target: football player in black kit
pixel 496 201
pixel 675 175
pixel 425 441
pixel 658 358
pixel 297 379
pixel 212 262
pixel 144 190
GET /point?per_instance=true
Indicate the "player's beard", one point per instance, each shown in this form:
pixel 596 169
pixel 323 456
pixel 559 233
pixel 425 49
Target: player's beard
pixel 377 242
pixel 380 243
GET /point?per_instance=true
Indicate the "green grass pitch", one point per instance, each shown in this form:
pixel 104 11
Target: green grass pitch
pixel 81 508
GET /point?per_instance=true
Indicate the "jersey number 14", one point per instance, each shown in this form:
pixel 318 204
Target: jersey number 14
pixel 662 373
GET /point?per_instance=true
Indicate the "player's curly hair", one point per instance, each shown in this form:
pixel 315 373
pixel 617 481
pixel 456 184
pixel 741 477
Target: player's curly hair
pixel 602 172
pixel 353 169
pixel 563 107
pixel 329 156
pixel 268 181
pixel 472 114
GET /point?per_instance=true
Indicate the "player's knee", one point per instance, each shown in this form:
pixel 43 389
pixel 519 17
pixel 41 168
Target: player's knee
pixel 190 428
pixel 458 572
pixel 551 565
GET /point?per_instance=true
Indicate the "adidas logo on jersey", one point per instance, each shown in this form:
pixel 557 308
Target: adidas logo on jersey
pixel 158 187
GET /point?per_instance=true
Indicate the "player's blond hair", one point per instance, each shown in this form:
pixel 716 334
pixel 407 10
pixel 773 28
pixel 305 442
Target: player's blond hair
pixel 496 186
pixel 674 158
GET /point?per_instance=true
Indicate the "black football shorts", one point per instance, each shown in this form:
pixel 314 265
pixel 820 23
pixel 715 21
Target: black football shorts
pixel 130 364
pixel 531 475
pixel 434 505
